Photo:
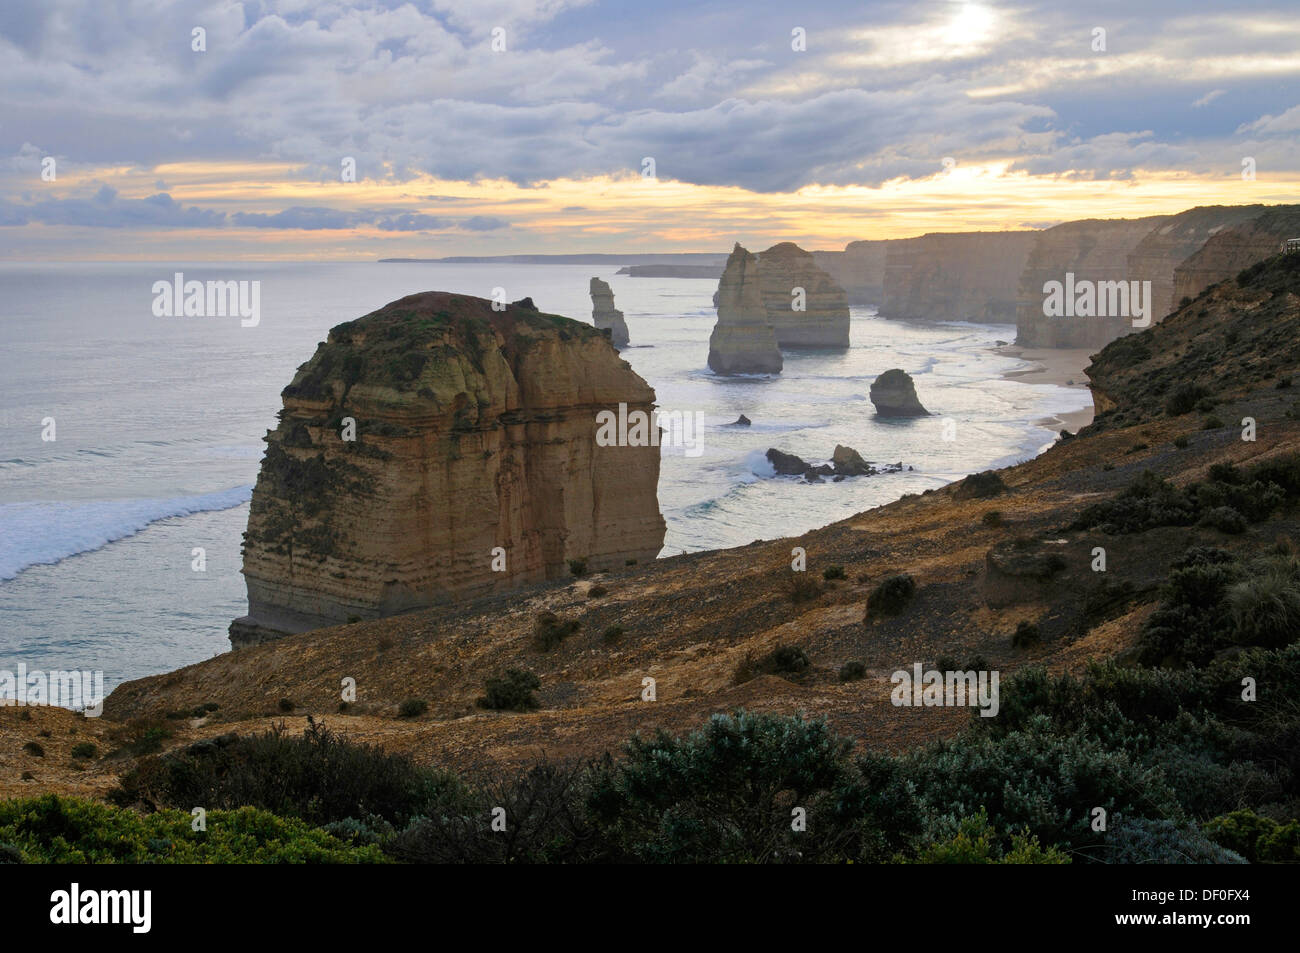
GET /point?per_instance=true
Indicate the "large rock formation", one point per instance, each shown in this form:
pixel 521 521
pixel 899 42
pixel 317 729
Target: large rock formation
pixel 1231 249
pixel 824 320
pixel 1092 250
pixel 894 395
pixel 1169 244
pixel 955 276
pixel 742 341
pixel 859 269
pixel 605 316
pixel 475 432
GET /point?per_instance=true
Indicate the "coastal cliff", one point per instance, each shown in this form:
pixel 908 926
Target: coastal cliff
pixel 436 448
pixel 859 269
pixel 1092 250
pixel 824 320
pixel 1233 248
pixel 743 341
pixel 955 276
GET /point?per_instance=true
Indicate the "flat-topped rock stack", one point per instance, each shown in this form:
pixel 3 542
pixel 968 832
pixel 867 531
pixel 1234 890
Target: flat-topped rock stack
pixel 436 448
pixel 790 279
pixel 743 341
pixel 605 316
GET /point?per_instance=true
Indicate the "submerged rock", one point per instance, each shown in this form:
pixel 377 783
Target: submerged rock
pixel 438 448
pixel 786 464
pixel 894 395
pixel 605 316
pixel 741 421
pixel 742 341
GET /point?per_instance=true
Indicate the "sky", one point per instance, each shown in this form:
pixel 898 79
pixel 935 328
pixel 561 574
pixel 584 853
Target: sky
pixel 154 130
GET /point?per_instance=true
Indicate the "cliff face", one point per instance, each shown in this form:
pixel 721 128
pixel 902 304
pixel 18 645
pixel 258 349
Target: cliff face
pixel 859 269
pixel 1092 250
pixel 1228 250
pixel 1166 246
pixel 955 276
pixel 742 341
pixel 605 316
pixel 824 320
pixel 474 429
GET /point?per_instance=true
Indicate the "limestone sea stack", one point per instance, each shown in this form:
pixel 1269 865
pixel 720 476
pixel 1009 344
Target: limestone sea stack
pixel 894 395
pixel 605 316
pixel 742 341
pixel 438 448
pixel 789 278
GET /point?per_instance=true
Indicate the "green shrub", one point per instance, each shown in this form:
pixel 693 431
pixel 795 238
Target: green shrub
pixel 892 595
pixel 980 486
pixel 33 749
pixel 412 708
pixel 1261 840
pixel 1184 398
pixel 316 776
pixel 1265 607
pixel 1026 635
pixel 1141 840
pixel 977 843
pixel 852 670
pixel 992 518
pixel 286 705
pixel 725 793
pixel 512 690
pixel 85 749
pixel 549 630
pixel 595 592
pixel 834 572
pixel 784 660
pixel 64 830
pixel 578 567
pixel 1211 423
pixel 1225 519
pixel 613 634
pixel 801 587
pixel 1182 442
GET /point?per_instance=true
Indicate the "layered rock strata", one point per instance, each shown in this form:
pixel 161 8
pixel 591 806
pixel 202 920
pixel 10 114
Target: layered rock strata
pixel 436 448
pixel 1091 250
pixel 1230 250
pixel 859 269
pixel 805 307
pixel 605 316
pixel 955 276
pixel 743 341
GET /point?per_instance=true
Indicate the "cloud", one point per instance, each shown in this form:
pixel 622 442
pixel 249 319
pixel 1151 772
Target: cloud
pixel 106 210
pixel 1208 98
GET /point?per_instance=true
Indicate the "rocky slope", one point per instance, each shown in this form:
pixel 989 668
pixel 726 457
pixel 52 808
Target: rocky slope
pixel 437 448
pixel 696 623
pixel 605 316
pixel 743 341
pixel 1092 250
pixel 946 276
pixel 1235 247
pixel 824 321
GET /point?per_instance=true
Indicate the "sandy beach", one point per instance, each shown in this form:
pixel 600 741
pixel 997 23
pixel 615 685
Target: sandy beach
pixel 1061 366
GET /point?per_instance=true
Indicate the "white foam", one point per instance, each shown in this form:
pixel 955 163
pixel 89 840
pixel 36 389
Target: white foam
pixel 42 533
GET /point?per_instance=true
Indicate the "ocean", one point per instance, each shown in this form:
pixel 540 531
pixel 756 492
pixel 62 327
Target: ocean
pixel 120 537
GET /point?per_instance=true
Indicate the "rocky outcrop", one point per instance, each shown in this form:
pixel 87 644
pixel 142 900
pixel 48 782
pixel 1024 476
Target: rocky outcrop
pixel 1090 250
pixel 955 276
pixel 790 279
pixel 742 341
pixel 894 395
pixel 436 448
pixel 849 462
pixel 1229 250
pixel 845 462
pixel 859 269
pixel 605 316
pixel 1157 257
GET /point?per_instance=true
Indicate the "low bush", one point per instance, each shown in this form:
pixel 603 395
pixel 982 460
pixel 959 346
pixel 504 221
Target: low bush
pixel 892 595
pixel 549 630
pixel 512 690
pixel 1025 636
pixel 412 708
pixel 834 572
pixel 852 671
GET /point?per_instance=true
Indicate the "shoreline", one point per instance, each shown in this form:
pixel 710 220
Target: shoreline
pixel 1060 366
